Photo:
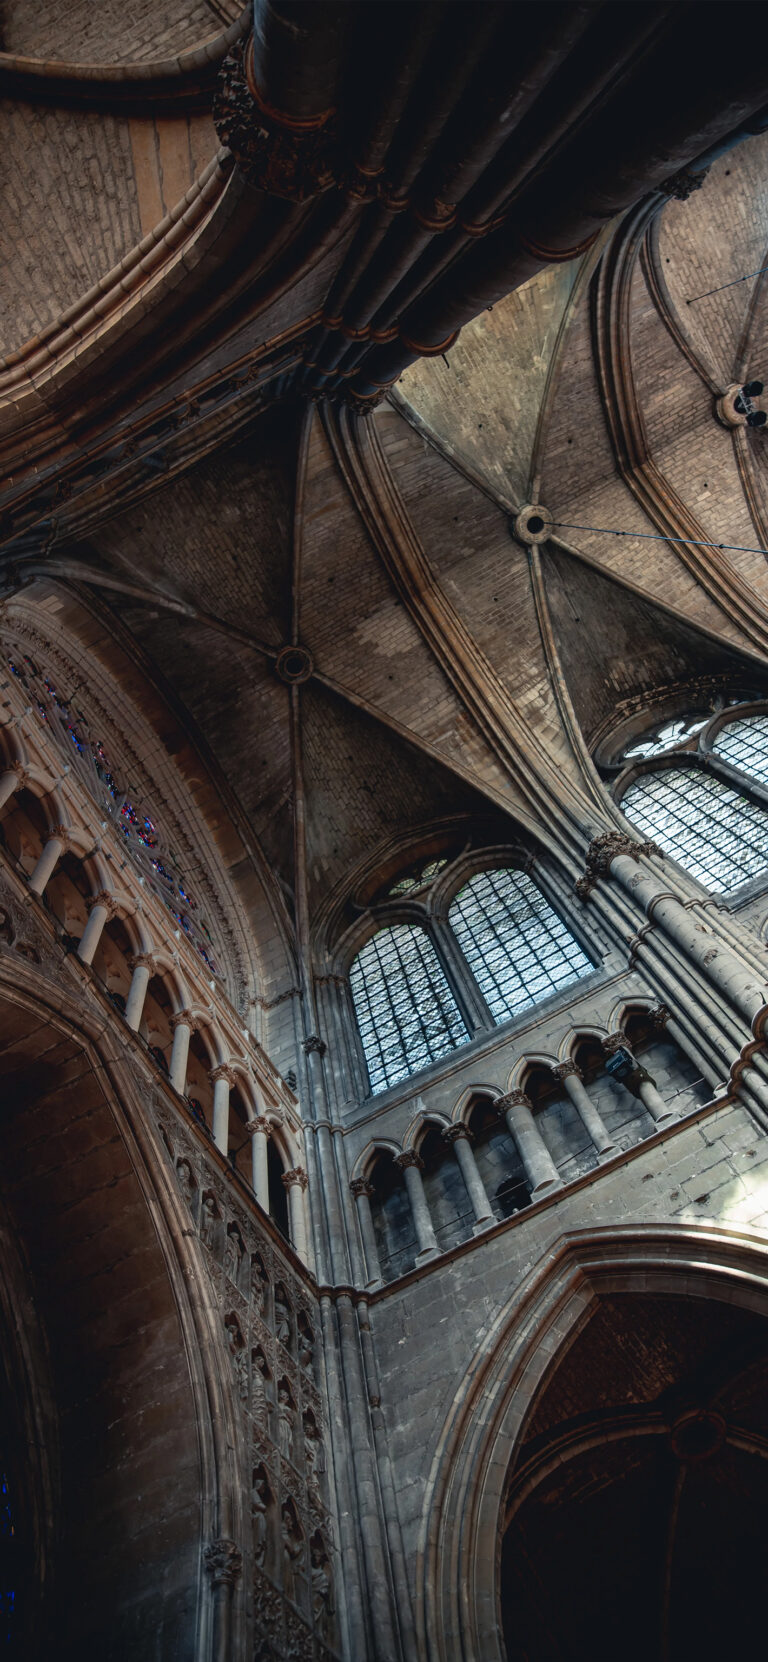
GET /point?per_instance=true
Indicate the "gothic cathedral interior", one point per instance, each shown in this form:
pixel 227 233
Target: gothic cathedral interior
pixel 383 831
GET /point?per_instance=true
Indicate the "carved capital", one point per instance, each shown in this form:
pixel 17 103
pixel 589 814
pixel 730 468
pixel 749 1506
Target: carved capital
pixel 60 832
pixel 182 1018
pixel 512 1099
pixel 144 960
pixel 104 898
pixel 260 1126
pixel 657 1018
pixel 409 1157
pixel 21 772
pixel 296 1176
pixel 602 850
pixel 224 1562
pixel 565 1070
pixel 313 1043
pixel 457 1134
pixel 285 157
pixel 361 1186
pixel 682 185
pixel 614 1042
pixel 223 1071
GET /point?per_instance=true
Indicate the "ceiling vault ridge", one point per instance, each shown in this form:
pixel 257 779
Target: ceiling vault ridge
pixel 368 477
pixel 656 496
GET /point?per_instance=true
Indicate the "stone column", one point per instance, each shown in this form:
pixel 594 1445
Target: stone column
pixel 540 1168
pixel 639 1082
pixel 259 1130
pixel 58 837
pixel 411 1167
pixel 362 1191
pixel 295 1182
pixel 101 906
pixel 12 780
pixel 182 1027
pixel 572 1081
pixel 144 967
pixel 222 1080
pixel 615 854
pixel 459 1138
pixel 224 1563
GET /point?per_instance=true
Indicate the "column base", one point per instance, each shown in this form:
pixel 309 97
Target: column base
pixel 546 1188
pixel 427 1255
pixel 607 1153
pixel 482 1224
pixel 664 1120
pixel 373 1286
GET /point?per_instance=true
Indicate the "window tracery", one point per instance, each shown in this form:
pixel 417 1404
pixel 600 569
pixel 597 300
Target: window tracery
pixel 697 813
pixel 84 750
pixel 517 947
pixel 406 1013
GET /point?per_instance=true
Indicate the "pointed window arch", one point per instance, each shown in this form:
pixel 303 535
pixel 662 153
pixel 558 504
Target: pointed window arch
pixel 516 946
pixel 406 1012
pixel 717 833
pixel 744 744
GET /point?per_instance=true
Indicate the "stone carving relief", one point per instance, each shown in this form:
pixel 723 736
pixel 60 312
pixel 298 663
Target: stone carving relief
pixel 270 1338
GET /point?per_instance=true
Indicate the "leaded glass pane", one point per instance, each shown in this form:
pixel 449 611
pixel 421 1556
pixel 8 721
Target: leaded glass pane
pixel 406 1012
pixel 516 946
pixel 744 744
pixel 719 836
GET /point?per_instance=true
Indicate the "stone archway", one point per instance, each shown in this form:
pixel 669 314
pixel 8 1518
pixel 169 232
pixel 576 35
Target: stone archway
pixel 124 1491
pixel 480 1449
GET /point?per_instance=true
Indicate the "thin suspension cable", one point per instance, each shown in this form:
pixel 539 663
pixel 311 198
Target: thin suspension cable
pixel 731 285
pixel 658 536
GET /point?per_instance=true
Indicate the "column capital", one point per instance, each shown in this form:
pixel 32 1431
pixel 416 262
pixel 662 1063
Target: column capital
pixel 20 769
pixel 361 1186
pixel 512 1099
pixel 614 1042
pixel 143 960
pixel 457 1133
pixel 223 1071
pixel 104 898
pixel 259 1125
pixel 602 850
pixel 60 832
pixel 224 1562
pixel 564 1070
pixel 181 1018
pixel 314 1043
pixel 409 1158
pixel 657 1018
pixel 297 1176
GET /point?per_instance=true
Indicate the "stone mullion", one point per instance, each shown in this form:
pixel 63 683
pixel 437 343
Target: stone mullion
pixel 710 762
pixel 474 1010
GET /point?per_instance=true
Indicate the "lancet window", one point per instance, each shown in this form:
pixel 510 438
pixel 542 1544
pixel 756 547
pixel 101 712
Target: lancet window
pixel 516 946
pixel 710 811
pixel 421 989
pixel 406 1012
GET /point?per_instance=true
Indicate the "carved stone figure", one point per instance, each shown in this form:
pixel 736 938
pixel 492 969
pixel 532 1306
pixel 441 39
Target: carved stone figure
pixel 258 1283
pixel 306 1344
pixel 323 1606
pixel 209 1217
pixel 261 1496
pixel 293 1549
pixel 239 1358
pixel 233 1253
pixel 259 1377
pixel 285 1420
pixel 282 1317
pixel 186 1179
pixel 312 1453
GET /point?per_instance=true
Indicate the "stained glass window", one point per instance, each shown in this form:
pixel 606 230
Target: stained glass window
pixel 666 737
pixel 517 947
pixel 719 836
pixel 418 879
pixel 744 744
pixel 116 797
pixel 406 1012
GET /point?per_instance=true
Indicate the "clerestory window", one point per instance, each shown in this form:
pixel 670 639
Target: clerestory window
pixel 517 947
pixel 716 832
pixel 406 1012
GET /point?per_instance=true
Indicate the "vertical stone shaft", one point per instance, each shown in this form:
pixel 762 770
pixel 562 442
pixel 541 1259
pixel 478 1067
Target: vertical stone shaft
pixel 411 1167
pixel 540 1168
